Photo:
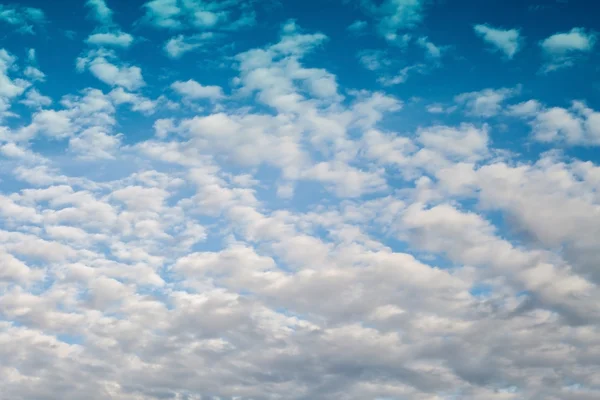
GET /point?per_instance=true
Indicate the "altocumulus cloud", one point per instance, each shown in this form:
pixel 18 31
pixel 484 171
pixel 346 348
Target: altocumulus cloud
pixel 207 200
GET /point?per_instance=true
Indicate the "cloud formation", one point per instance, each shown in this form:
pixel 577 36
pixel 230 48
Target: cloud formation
pixel 202 212
pixel 507 41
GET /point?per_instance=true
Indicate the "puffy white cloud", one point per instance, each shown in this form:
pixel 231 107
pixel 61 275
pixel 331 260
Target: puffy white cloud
pixel 395 15
pixel 10 88
pixel 487 102
pixel 507 41
pixel 192 90
pixel 357 26
pixel 431 50
pixel 118 39
pixel 34 74
pixel 574 126
pixel 577 39
pixel 301 240
pixel 35 99
pixel 173 14
pixel 178 45
pixel 94 143
pixel 100 65
pixel 24 19
pixel 100 11
pixel 562 49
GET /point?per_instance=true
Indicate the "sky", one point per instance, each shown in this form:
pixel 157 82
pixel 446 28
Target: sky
pixel 299 200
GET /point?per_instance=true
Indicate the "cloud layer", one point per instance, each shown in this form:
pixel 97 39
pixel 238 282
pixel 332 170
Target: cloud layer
pixel 252 224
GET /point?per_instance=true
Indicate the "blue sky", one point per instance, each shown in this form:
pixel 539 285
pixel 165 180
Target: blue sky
pixel 351 199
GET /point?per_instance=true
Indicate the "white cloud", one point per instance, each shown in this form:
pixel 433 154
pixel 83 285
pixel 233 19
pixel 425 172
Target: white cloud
pixel 374 60
pixel 395 15
pixel 487 102
pixel 100 11
pixel 129 77
pixel 357 26
pixel 118 39
pixel 10 88
pixel 34 74
pixel 507 41
pixel 561 49
pixel 526 108
pixel 300 223
pixel 94 143
pixel 193 90
pixel 137 102
pixel 24 19
pixel 35 99
pixel 178 45
pixel 575 126
pixel 577 39
pixel 173 14
pixel 431 50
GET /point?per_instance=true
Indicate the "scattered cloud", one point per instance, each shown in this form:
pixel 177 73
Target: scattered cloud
pixel 562 49
pixel 101 65
pixel 100 11
pixel 23 19
pixel 118 39
pixel 507 41
pixel 178 45
pixel 176 15
pixel 574 126
pixel 193 90
pixel 487 102
pixel 300 231
pixel 357 26
pixel 431 50
pixel 394 16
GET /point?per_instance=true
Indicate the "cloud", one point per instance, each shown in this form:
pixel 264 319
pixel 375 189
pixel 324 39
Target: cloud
pixel 574 126
pixel 176 15
pixel 10 88
pixel 35 99
pixel 193 90
pixel 388 71
pixel 100 11
pixel 507 41
pixel 562 49
pixel 487 102
pixel 100 65
pixel 374 60
pixel 34 74
pixel 94 143
pixel 24 19
pixel 178 45
pixel 357 26
pixel 431 50
pixel 304 239
pixel 119 39
pixel 395 15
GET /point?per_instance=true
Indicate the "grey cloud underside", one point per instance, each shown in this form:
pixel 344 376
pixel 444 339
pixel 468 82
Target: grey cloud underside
pixel 107 290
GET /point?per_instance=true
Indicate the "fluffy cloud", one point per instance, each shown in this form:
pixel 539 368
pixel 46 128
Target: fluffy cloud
pixel 562 49
pixel 178 45
pixel 395 15
pixel 507 41
pixel 357 26
pixel 23 19
pixel 119 39
pixel 577 125
pixel 299 238
pixel 193 90
pixel 173 14
pixel 431 50
pixel 100 64
pixel 487 102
